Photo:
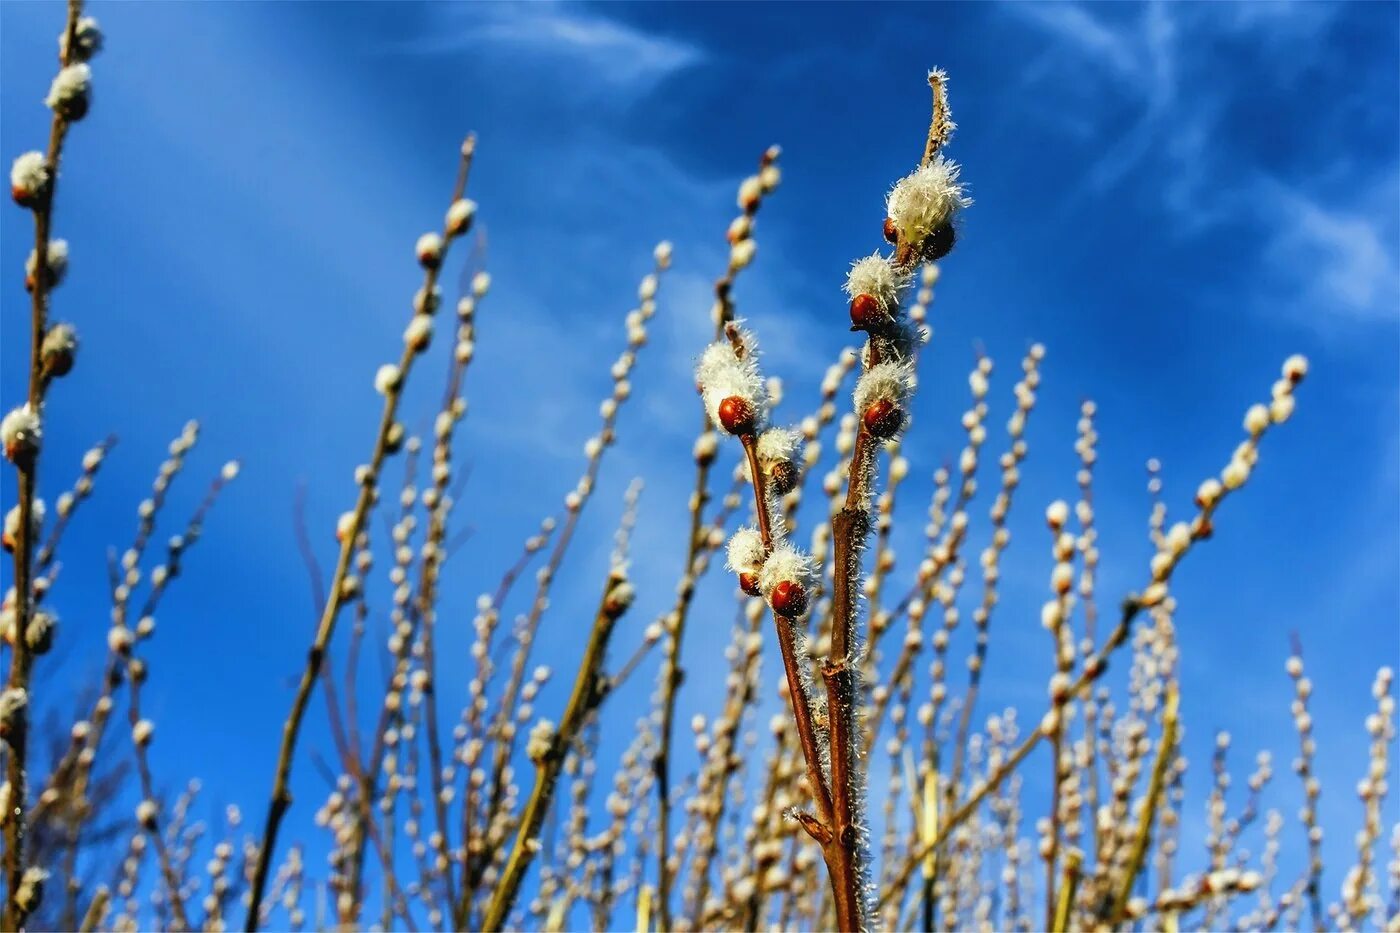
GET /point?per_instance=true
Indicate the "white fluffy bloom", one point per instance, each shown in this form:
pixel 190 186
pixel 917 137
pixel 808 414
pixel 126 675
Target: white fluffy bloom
pixel 56 259
pixel 419 332
pixel 146 812
pixel 541 740
pixel 750 190
pixel 706 446
pixel 876 276
pixel 745 551
pixel 459 216
pixel 69 92
pixel 87 40
pixel 777 445
pixel 59 345
pixel 28 176
pixel 119 639
pixel 786 563
pixel 1235 473
pixel 662 254
pixel 1295 367
pixel 20 431
pixel 14 701
pixel 229 472
pixel 926 200
pixel 386 379
pixel 722 375
pixel 429 249
pixel 142 732
pixel 742 253
pixel 888 381
pixel 1256 419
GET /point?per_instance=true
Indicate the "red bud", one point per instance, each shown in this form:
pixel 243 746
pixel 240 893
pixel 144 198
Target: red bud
pixel 866 312
pixel 736 415
pixel 789 599
pixel 883 418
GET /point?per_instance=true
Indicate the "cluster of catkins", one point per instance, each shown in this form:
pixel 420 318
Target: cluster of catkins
pixel 921 209
pixel 736 399
pixel 31 179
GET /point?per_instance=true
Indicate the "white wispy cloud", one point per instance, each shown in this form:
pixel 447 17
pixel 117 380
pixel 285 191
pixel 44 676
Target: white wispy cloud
pixel 596 49
pixel 1330 257
pixel 1340 257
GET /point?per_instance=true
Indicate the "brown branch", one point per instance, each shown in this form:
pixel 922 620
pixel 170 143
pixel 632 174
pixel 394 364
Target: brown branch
pixel 27 465
pixel 281 798
pixel 673 675
pixel 1166 752
pixel 582 702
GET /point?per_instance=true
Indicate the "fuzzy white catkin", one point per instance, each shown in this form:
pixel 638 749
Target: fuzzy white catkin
pixel 745 551
pixel 875 276
pixel 386 379
pixel 87 35
pixel 926 199
pixel 459 215
pixel 419 332
pixel 20 430
pixel 29 174
pixel 59 338
pixel 55 258
pixel 142 732
pixel 750 190
pixel 69 85
pixel 429 247
pixel 722 375
pixel 742 253
pixel 889 381
pixel 786 563
pixel 777 445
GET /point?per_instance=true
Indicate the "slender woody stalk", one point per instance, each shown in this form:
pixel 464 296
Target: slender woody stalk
pixel 281 797
pixel 673 675
pixel 22 659
pixel 582 702
pixel 849 528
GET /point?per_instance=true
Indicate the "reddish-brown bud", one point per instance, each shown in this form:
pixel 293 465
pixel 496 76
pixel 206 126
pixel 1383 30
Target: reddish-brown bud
pixel 789 599
pixel 891 231
pixel 24 197
pixel 883 418
pixel 866 312
pixel 736 415
pixel 748 582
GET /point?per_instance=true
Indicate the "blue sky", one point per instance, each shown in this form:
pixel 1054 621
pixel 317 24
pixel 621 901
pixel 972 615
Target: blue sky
pixel 1173 198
